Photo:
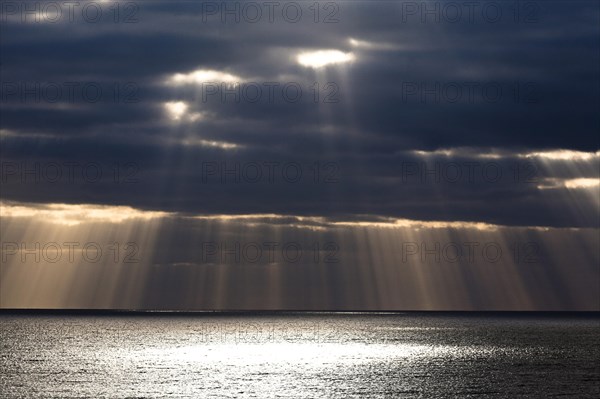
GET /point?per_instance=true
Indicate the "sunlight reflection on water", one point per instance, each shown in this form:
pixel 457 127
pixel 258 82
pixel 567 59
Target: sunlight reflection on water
pixel 297 356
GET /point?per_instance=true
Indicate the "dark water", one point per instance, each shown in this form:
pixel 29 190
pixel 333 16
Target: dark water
pixel 300 356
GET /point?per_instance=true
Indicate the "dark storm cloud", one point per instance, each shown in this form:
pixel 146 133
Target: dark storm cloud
pixel 546 68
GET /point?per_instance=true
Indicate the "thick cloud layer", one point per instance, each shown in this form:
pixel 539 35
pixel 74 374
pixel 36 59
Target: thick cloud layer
pixel 487 76
pixel 363 121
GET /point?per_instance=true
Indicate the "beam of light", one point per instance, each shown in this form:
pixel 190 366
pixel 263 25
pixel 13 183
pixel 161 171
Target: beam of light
pixel 570 178
pixel 371 272
pixel 94 269
pixel 322 58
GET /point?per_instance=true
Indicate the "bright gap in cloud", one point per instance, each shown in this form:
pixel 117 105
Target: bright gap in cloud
pixel 322 58
pixel 210 143
pixel 203 76
pixel 364 44
pixel 320 222
pixel 562 155
pixel 178 111
pixel 73 215
pixel 458 152
pixel 553 155
pixel 581 183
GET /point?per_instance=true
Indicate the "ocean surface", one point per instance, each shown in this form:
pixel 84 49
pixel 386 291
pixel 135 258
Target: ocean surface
pixel 299 356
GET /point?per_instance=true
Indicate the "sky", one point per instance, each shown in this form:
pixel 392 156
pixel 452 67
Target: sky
pixel 380 155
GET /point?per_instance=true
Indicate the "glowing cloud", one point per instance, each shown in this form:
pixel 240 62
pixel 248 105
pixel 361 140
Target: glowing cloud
pixel 419 224
pixel 203 76
pixel 562 155
pixel 363 44
pixel 178 111
pixel 582 183
pixel 319 222
pixel 210 143
pixel 73 215
pixel 492 153
pixel 459 152
pixel 322 58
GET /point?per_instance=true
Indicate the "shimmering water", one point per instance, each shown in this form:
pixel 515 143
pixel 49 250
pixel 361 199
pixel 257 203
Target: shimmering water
pixel 297 356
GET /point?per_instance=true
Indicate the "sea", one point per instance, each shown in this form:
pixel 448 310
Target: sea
pixel 299 355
